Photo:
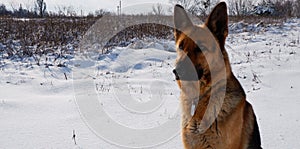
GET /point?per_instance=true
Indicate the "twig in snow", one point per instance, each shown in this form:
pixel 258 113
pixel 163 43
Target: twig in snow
pixel 74 137
pixel 66 76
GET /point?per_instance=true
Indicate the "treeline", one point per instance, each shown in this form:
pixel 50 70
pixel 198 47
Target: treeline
pixel 20 12
pixel 276 8
pixel 39 10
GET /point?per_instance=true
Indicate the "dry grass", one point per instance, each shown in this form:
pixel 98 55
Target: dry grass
pixel 20 39
pixel 58 36
pixel 257 19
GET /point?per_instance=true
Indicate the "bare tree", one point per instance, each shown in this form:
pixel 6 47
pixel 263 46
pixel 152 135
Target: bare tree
pixel 158 9
pixel 40 7
pixel 297 8
pixel 196 7
pixel 28 5
pixel 61 10
pixel 284 7
pixel 3 10
pixel 13 6
pixel 71 11
pixel 101 12
pixel 240 7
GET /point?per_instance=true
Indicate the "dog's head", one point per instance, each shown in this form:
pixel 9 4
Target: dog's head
pixel 200 47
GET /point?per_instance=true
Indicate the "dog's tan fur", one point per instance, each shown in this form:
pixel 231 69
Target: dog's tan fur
pixel 235 126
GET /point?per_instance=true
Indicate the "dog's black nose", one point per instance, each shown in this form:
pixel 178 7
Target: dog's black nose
pixel 187 71
pixel 174 71
pixel 188 74
pixel 176 74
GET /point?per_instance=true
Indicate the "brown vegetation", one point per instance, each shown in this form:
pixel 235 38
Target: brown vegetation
pixel 21 38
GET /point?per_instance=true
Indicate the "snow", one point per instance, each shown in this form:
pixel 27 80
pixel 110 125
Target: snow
pixel 274 59
pixel 38 108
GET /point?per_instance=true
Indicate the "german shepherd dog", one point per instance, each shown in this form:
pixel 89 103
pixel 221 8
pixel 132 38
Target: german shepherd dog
pixel 222 118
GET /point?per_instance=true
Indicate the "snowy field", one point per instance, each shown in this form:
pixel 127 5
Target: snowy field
pixel 38 107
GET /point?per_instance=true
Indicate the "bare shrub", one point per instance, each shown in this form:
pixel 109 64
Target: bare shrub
pixel 284 7
pixel 158 9
pixel 297 8
pixel 45 40
pixel 196 7
pixel 40 7
pixel 240 7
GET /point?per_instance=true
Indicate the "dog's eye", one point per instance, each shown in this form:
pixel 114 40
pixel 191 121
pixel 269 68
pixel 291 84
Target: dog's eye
pixel 200 48
pixel 197 49
pixel 181 46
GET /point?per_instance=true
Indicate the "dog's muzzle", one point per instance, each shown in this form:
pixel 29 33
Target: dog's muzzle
pixel 188 72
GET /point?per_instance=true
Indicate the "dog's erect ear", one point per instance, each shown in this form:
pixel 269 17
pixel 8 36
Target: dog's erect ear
pixel 181 19
pixel 217 22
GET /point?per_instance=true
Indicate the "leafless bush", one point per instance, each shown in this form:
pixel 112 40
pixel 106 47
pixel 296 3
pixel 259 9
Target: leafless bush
pixel 284 7
pixel 240 7
pixel 275 8
pixel 40 7
pixel 111 31
pixel 296 9
pixel 196 7
pixel 158 9
pixel 44 40
pixel 141 31
pixel 258 19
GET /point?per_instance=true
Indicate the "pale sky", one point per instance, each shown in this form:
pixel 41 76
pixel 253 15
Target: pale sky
pixel 85 5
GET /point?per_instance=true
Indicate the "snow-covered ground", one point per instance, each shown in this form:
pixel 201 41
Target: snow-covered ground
pixel 38 108
pixel 267 65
